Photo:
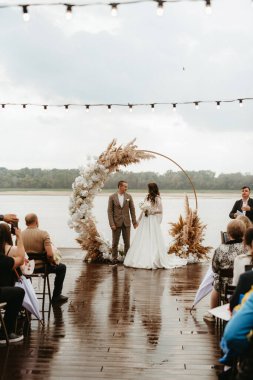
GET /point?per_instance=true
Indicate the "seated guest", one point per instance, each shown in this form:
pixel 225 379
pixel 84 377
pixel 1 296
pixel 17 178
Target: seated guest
pixel 8 218
pixel 245 220
pixel 238 332
pixel 244 205
pixel 223 258
pixel 245 283
pixel 244 259
pixel 38 241
pixel 13 296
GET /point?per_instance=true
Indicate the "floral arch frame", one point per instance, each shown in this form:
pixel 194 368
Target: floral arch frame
pixel 91 181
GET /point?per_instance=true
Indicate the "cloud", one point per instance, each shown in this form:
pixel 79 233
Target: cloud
pixel 137 57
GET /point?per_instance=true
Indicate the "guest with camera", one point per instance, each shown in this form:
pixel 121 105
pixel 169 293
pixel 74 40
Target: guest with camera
pixel 9 218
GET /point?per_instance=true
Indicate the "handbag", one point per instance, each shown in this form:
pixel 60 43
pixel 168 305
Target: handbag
pixel 30 301
pixel 57 256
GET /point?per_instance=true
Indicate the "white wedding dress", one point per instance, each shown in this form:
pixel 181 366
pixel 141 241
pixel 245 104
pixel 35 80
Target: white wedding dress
pixel 148 250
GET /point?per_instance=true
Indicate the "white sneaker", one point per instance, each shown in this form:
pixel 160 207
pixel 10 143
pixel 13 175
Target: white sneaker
pixel 209 317
pixel 13 338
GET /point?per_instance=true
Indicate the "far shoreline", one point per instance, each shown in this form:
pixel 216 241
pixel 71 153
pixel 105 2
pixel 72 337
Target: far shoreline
pixel 133 192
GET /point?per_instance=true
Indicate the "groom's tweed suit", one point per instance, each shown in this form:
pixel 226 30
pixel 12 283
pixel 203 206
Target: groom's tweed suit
pixel 120 218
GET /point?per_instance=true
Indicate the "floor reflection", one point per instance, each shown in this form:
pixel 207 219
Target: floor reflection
pixel 146 288
pixel 40 344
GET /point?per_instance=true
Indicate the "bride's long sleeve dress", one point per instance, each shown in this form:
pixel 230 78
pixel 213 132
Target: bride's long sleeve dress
pixel 148 250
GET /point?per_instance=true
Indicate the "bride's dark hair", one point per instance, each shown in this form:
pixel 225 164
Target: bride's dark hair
pixel 153 191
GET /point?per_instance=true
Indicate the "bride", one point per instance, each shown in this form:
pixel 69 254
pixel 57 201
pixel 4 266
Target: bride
pixel 148 249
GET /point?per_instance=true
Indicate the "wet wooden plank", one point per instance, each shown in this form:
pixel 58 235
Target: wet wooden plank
pixel 119 323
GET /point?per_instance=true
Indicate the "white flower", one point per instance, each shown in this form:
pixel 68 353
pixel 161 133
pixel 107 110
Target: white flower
pixel 145 206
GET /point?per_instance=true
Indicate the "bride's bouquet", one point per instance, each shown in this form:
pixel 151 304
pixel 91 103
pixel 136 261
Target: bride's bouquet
pixel 145 206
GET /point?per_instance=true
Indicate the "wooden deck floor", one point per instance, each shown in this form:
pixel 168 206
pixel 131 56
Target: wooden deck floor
pixel 120 324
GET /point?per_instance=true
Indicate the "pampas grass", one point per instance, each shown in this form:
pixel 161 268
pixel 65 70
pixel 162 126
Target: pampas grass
pixel 188 235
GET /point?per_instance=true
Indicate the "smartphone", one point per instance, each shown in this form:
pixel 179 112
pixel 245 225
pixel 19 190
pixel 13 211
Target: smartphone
pixel 13 225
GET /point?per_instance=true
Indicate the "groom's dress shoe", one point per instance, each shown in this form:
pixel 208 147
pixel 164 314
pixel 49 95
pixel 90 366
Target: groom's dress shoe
pixel 59 299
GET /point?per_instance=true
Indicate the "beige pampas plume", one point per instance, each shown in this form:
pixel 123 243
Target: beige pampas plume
pixel 111 159
pixel 188 234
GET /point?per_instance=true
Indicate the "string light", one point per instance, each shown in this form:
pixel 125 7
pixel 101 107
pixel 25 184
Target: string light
pixel 114 9
pixel 130 106
pixel 208 7
pixel 114 6
pixel 26 16
pixel 69 11
pixel 160 7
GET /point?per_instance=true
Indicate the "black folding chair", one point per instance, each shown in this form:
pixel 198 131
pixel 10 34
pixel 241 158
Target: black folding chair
pixel 248 267
pixel 43 273
pixel 2 308
pixel 224 274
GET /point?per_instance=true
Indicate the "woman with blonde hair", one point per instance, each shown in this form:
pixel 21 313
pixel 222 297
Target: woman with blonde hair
pixel 245 220
pixel 223 258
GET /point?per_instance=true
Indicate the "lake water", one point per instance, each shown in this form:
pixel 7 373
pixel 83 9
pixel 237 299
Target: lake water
pixel 52 211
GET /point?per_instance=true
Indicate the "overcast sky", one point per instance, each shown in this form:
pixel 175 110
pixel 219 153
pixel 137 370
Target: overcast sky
pixel 136 57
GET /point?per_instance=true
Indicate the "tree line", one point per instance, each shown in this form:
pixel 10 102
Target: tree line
pixel 171 180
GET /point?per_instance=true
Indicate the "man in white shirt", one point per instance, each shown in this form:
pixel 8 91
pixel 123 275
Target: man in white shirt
pixel 120 207
pixel 244 205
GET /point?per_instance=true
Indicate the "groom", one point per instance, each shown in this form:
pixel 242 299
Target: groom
pixel 120 206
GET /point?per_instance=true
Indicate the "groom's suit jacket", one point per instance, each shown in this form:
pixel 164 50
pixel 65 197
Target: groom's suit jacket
pixel 238 206
pixel 119 216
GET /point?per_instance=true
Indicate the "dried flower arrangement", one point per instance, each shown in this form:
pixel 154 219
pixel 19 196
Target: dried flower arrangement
pixel 91 181
pixel 188 236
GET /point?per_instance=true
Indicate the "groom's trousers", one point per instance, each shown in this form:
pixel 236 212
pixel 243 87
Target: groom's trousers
pixel 115 239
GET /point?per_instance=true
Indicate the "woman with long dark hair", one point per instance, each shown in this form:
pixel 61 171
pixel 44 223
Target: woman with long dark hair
pixel 148 250
pixel 13 296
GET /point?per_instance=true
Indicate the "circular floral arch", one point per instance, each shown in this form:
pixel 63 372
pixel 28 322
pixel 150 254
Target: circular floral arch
pixel 180 167
pixel 91 181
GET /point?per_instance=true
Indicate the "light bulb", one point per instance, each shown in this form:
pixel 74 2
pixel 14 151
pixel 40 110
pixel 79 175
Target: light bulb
pixel 130 106
pixel 66 107
pixel 3 105
pixel 160 8
pixel 240 103
pixel 109 108
pixel 26 16
pixel 208 7
pixel 24 106
pixel 174 107
pixel 196 105
pixel 218 105
pixel 152 107
pixel 45 107
pixel 114 9
pixel 69 11
pixel 87 107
